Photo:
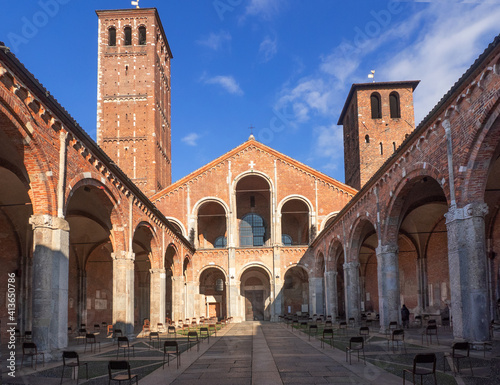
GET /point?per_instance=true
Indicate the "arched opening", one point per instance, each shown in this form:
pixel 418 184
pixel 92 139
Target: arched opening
pixel 211 225
pixel 16 235
pixel 296 291
pixel 112 36
pixel 142 246
pixel 423 252
pixel 253 205
pixel 127 36
pixel 169 272
pixel 295 221
pixel 367 138
pixel 142 35
pixel 213 294
pixel 368 279
pixel 376 105
pixel 256 291
pixel 394 105
pixel 90 287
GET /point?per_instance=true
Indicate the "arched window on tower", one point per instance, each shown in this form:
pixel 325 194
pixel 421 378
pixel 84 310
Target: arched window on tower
pixel 367 138
pixel 142 35
pixel 112 36
pixel 394 105
pixel 127 36
pixel 252 230
pixel 376 105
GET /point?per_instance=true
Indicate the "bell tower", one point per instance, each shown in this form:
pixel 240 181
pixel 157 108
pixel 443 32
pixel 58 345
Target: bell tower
pixel 133 95
pixel 377 118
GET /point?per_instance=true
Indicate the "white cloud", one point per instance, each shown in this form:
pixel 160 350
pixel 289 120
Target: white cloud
pixel 191 139
pixel 263 8
pixel 329 144
pixel 226 82
pixel 267 49
pixel 215 41
pixel 444 51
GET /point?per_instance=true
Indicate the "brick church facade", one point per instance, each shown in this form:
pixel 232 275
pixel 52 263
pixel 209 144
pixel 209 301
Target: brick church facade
pixel 97 232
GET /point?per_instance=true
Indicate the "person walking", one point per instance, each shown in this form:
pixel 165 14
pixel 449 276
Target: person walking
pixel 405 317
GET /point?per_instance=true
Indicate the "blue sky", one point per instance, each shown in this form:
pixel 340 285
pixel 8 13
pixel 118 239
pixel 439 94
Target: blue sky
pixel 283 66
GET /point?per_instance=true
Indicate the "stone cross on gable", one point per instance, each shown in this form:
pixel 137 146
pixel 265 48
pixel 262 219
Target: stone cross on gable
pixel 251 129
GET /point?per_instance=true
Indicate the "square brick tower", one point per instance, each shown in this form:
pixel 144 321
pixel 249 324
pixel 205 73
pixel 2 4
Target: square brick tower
pixel 133 95
pixel 377 117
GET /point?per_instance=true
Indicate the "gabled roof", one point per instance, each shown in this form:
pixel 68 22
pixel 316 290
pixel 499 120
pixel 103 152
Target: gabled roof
pixel 249 143
pixel 412 83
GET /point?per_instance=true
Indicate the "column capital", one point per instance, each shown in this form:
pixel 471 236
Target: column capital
pixel 391 248
pixel 123 255
pixel 474 209
pixel 157 271
pixel 178 279
pixel 48 222
pixel 351 265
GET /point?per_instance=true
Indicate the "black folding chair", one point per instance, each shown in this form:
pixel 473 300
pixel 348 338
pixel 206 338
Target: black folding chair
pixel 355 344
pixel 171 348
pixel 71 360
pixel 423 365
pixel 121 366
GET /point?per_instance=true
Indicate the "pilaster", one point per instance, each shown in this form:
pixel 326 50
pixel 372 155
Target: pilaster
pixel 178 298
pixel 316 295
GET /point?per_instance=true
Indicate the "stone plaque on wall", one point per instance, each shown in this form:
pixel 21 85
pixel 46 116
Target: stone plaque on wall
pixel 101 304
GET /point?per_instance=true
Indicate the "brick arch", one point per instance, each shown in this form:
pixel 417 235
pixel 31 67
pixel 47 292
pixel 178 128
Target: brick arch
pixel 327 218
pixel 43 193
pixel 293 197
pixel 484 147
pixel 207 267
pixel 253 173
pixel 318 271
pixel 334 250
pixel 155 258
pixel 260 265
pixel 393 215
pixel 307 271
pixel 177 222
pixel 208 199
pixel 355 240
pixel 176 263
pixel 119 238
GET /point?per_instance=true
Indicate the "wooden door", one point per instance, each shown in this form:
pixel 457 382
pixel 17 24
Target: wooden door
pixel 254 305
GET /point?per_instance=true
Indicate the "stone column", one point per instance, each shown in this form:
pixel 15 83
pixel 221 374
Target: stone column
pixel 351 279
pixel 316 296
pixel 123 291
pixel 191 302
pixel 468 271
pixel 158 296
pixel 277 282
pixel 178 298
pixel 233 297
pixel 388 285
pixel 331 294
pixel 50 282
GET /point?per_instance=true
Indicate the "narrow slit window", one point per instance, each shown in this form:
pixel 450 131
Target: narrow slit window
pixel 394 146
pixel 128 36
pixel 367 138
pixel 381 149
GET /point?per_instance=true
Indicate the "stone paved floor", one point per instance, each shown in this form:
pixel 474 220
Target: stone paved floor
pixel 269 353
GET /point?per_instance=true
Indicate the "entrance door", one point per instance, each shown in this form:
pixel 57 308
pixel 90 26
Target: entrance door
pixel 254 305
pixel 214 310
